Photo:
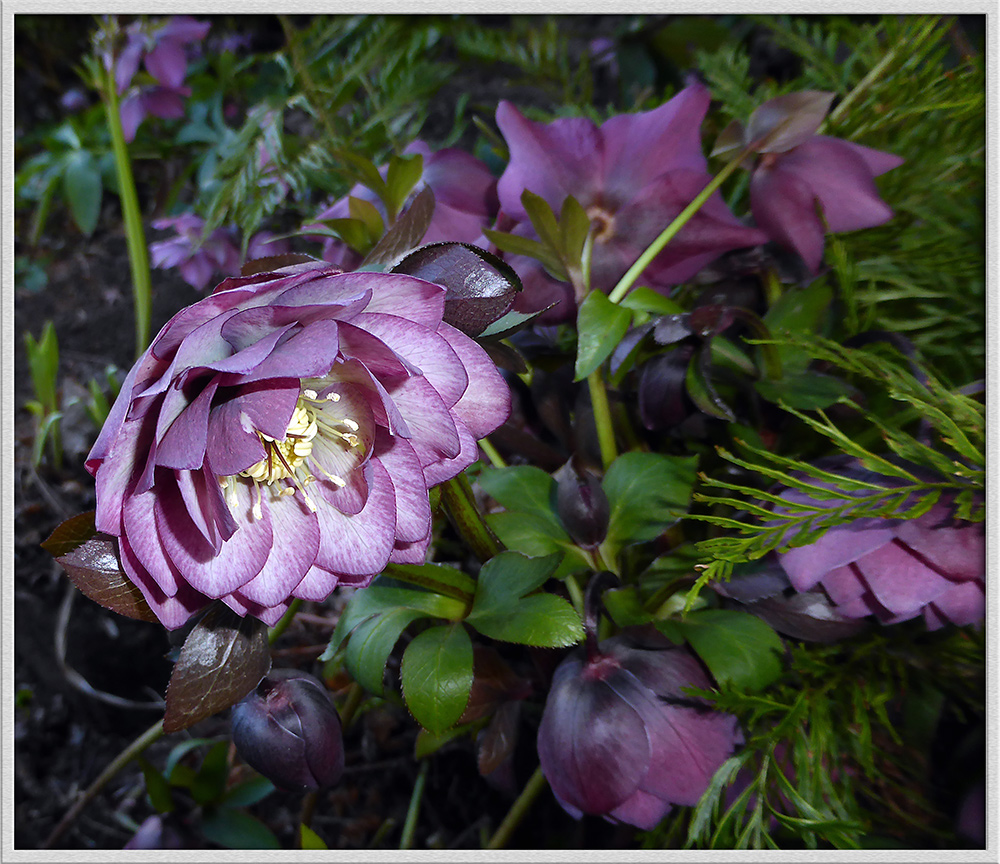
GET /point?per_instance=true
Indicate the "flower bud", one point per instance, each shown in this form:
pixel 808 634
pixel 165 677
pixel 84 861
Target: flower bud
pixel 582 506
pixel 619 738
pixel 155 833
pixel 289 731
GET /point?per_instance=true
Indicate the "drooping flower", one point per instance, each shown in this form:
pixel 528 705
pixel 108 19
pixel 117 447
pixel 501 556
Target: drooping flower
pixel 799 169
pixel 200 260
pixel 288 729
pixel 278 438
pixel 895 569
pixel 620 739
pixel 464 201
pixel 632 175
pixel 159 46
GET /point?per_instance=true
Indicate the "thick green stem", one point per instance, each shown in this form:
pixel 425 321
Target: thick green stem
pixel 671 231
pixel 410 825
pixel 491 452
pixel 531 791
pixel 120 761
pixel 134 235
pixel 416 576
pixel 460 503
pixel 602 418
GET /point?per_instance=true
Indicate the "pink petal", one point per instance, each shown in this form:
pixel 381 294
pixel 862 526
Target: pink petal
pixel 167 63
pixel 844 584
pixel 172 611
pixel 485 404
pixel 462 184
pixel 361 544
pixel 316 585
pixel 807 565
pixel 378 357
pixel 641 809
pixel 783 206
pixel 132 113
pixel 144 546
pixel 116 471
pixel 437 470
pixel 900 581
pixel 960 605
pixel 413 511
pixel 182 428
pixel 428 419
pixel 957 552
pixel 242 556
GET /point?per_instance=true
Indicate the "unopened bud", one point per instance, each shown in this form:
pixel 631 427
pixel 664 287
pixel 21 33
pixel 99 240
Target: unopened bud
pixel 289 731
pixel 582 506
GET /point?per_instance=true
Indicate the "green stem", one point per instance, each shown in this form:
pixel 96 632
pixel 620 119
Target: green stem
pixel 415 576
pixel 275 632
pixel 460 503
pixel 410 825
pixel 495 458
pixel 354 696
pixel 120 761
pixel 602 418
pixel 531 791
pixel 134 234
pixel 671 231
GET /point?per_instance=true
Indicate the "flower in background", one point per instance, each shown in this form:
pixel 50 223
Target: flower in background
pixel 288 730
pixel 200 258
pixel 633 175
pixel 278 438
pixel 464 201
pixel 894 569
pixel 799 169
pixel 619 738
pixel 160 48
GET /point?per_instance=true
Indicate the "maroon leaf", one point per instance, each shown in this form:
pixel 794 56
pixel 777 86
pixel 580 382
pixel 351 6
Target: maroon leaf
pixel 497 742
pixel 788 121
pixel 223 658
pixel 406 233
pixel 90 559
pixel 274 262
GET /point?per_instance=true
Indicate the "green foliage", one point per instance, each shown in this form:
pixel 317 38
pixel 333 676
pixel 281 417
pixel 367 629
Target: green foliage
pixel 43 362
pixel 436 676
pixel 936 440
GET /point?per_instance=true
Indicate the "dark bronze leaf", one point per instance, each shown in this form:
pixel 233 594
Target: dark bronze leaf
pixel 274 262
pixel 404 235
pixel 90 560
pixel 223 658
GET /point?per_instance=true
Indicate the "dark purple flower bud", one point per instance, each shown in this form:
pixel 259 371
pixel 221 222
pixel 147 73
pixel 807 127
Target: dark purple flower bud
pixel 582 505
pixel 895 569
pixel 619 737
pixel 663 399
pixel 289 731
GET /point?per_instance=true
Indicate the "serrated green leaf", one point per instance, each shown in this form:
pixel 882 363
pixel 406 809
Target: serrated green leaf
pixel 82 187
pixel 247 793
pixel 738 648
pixel 524 488
pixel 648 492
pixel 157 787
pixel 600 326
pixel 574 226
pixel 210 781
pixel 526 533
pixel 437 676
pixel 644 299
pixel 625 607
pixel 371 644
pixel 804 390
pixel 401 176
pixel 367 213
pixel 543 220
pixel 517 245
pixel 541 620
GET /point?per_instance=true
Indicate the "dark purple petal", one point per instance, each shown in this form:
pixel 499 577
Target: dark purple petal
pixel 640 147
pixel 139 534
pixel 552 160
pixel 485 404
pixel 167 63
pixel 183 28
pixel 206 506
pixel 127 63
pixel 172 611
pixel 132 112
pixel 783 206
pixel 163 103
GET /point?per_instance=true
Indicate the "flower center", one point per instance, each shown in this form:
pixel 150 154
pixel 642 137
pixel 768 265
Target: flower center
pixel 602 223
pixel 288 458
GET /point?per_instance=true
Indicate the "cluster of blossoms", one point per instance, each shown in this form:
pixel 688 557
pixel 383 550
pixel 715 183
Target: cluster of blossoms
pixel 160 48
pixel 201 258
pixel 278 438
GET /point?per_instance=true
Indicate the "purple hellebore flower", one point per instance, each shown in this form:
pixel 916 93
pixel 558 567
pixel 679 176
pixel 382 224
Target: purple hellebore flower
pixel 161 49
pixel 199 261
pixel 288 730
pixel 798 168
pixel 619 738
pixel 464 201
pixel 896 569
pixel 632 175
pixel 278 438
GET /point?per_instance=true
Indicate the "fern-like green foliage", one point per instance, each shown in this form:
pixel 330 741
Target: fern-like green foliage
pixel 932 441
pixel 834 748
pixel 903 87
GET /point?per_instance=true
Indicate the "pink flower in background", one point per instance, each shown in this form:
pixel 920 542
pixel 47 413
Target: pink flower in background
pixel 200 260
pixel 798 170
pixel 160 48
pixel 895 569
pixel 278 438
pixel 464 201
pixel 619 738
pixel 632 175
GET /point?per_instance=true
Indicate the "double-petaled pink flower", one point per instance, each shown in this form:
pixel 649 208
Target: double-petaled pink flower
pixel 633 175
pixel 895 569
pixel 278 438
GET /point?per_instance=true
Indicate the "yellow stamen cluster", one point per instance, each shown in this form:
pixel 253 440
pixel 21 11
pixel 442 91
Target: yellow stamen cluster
pixel 285 459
